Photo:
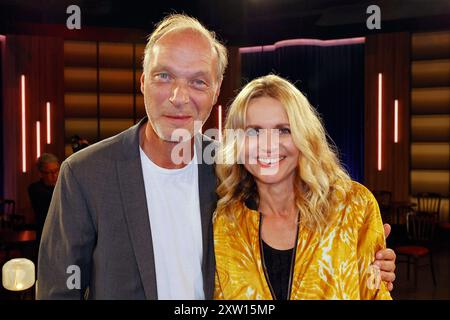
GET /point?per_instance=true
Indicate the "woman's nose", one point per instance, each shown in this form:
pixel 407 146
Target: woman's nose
pixel 269 141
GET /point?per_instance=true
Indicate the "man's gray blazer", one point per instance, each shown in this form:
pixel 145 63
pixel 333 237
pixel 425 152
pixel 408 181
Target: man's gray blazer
pixel 98 221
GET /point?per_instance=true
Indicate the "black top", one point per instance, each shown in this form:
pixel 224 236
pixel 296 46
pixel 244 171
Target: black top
pixel 40 196
pixel 278 266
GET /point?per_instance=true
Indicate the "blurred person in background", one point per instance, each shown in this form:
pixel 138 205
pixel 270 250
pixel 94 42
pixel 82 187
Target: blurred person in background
pixel 40 192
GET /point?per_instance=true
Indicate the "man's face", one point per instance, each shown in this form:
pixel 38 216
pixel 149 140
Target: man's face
pixel 181 83
pixel 49 173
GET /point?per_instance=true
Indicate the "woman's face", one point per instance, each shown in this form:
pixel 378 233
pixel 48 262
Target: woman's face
pixel 270 154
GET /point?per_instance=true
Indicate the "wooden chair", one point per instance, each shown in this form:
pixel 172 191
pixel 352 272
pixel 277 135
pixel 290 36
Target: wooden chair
pixel 8 216
pixel 421 229
pixel 444 228
pixel 7 210
pixel 429 202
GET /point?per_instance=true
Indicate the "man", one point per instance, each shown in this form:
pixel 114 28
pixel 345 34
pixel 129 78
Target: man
pixel 41 192
pixel 136 223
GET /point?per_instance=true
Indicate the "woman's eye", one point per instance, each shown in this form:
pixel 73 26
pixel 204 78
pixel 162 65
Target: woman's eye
pixel 252 132
pixel 285 131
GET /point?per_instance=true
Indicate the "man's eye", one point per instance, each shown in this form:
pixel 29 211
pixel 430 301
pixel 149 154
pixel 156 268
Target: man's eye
pixel 198 83
pixel 162 76
pixel 252 132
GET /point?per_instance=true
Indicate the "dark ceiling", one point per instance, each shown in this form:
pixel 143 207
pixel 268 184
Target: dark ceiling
pixel 241 22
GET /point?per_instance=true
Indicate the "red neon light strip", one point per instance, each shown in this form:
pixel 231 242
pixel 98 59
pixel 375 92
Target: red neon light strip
pixel 396 121
pixel 24 151
pixel 380 119
pixel 38 139
pixel 302 42
pixel 49 136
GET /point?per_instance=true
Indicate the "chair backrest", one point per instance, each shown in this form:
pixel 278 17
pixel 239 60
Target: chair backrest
pixel 421 227
pixel 428 202
pixel 384 203
pixel 383 197
pixel 7 209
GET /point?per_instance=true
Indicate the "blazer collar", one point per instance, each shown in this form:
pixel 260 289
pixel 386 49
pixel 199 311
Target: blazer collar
pixel 132 188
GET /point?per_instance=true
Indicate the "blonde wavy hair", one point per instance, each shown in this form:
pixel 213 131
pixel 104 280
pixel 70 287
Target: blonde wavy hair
pixel 320 179
pixel 180 22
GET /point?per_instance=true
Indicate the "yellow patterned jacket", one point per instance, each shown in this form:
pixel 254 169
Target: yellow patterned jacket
pixel 333 265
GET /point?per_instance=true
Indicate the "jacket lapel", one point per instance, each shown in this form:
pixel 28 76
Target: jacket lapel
pixel 132 190
pixel 208 202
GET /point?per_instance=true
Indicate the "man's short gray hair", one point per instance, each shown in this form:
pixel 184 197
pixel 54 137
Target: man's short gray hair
pixel 46 158
pixel 181 22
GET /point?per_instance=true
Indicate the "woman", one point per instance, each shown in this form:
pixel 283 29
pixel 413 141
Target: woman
pixel 290 223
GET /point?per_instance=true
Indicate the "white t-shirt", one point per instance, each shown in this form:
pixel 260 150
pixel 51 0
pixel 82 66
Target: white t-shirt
pixel 174 211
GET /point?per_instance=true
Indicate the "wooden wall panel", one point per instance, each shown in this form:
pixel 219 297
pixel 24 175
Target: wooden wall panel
pixel 79 105
pixel 428 101
pixel 80 79
pixel 388 54
pixel 80 54
pixel 115 105
pixel 436 181
pixel 115 55
pixel 430 73
pixel 422 152
pixel 430 128
pixel 116 80
pixel 111 127
pixel 140 107
pixel 430 45
pixel 83 127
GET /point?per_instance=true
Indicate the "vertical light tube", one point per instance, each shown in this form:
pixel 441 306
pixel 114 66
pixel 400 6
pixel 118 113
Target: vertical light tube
pixel 396 121
pixel 24 149
pixel 219 111
pixel 38 139
pixel 380 119
pixel 49 125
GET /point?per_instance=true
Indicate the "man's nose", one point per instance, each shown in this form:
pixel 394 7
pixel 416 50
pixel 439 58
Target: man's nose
pixel 180 94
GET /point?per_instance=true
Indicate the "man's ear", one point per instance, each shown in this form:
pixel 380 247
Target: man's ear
pixel 142 82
